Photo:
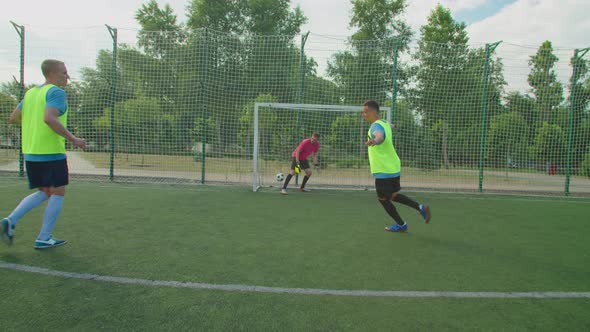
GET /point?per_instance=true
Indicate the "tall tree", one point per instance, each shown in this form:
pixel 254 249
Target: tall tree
pixel 443 58
pixel 525 106
pixel 580 84
pixel 507 141
pixel 220 15
pixel 159 31
pixel 274 17
pixel 547 89
pixel 253 43
pixel 365 71
pixel 380 19
pixel 8 132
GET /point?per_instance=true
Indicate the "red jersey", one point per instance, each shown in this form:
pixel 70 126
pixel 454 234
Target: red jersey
pixel 306 148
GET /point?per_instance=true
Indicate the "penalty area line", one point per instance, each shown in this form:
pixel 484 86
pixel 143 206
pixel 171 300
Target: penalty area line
pixel 299 291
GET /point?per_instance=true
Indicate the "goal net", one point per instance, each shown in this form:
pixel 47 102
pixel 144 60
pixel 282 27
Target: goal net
pixel 178 106
pixel 277 129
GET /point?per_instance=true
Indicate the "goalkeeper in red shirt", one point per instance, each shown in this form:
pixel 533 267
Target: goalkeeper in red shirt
pixel 308 147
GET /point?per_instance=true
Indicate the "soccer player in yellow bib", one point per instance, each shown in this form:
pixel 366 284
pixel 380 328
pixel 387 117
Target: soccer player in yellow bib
pixel 386 168
pixel 43 118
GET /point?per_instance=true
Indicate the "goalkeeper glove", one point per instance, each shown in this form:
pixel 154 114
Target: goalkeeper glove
pixel 297 169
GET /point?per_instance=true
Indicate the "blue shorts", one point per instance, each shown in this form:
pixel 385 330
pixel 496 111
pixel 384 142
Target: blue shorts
pixel 47 173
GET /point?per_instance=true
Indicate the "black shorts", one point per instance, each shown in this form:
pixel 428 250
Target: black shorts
pixel 47 173
pixel 303 163
pixel 386 187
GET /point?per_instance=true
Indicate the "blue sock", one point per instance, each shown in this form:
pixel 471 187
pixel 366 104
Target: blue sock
pixel 50 216
pixel 27 204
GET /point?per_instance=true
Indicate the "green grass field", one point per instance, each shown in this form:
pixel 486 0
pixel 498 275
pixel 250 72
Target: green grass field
pixel 319 240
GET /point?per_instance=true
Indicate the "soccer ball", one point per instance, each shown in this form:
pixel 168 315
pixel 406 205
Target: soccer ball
pixel 280 177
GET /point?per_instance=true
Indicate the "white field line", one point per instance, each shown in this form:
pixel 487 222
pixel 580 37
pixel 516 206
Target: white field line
pixel 300 291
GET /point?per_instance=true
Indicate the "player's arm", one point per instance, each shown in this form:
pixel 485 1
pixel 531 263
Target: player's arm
pixel 378 136
pixel 314 157
pixel 51 119
pixel 16 116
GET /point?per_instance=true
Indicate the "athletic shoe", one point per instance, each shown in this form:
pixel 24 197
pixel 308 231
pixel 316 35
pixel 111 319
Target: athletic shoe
pixel 304 190
pixel 49 243
pixel 395 228
pixel 425 212
pixel 7 231
pixel 283 192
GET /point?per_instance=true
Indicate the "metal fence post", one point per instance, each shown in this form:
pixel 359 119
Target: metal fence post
pixel 484 101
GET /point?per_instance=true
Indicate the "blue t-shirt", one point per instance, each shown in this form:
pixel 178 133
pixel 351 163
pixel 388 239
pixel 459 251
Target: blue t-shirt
pixel 55 98
pixel 377 128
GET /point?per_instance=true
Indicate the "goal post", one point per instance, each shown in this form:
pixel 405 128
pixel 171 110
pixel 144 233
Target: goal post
pixel 279 127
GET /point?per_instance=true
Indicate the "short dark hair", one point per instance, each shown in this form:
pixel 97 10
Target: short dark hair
pixel 50 66
pixel 316 134
pixel 372 104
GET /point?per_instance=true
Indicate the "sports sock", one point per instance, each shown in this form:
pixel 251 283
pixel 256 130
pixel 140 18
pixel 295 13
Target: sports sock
pixel 392 211
pixel 405 200
pixel 287 179
pixel 27 204
pixel 305 178
pixel 50 216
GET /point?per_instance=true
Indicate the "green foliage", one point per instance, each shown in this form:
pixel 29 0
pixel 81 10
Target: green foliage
pixel 251 17
pixel 141 126
pixel 525 106
pixel 381 35
pixel 194 83
pixel 12 88
pixel 347 133
pixel 380 19
pixel 506 143
pixel 430 145
pixel 585 166
pixel 579 101
pixel 465 145
pixel 442 52
pixel 543 79
pixel 273 17
pixel 550 144
pixel 405 131
pixel 445 62
pixel 159 33
pixel 8 132
pixel 277 133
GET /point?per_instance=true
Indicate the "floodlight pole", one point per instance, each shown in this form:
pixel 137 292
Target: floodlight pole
pixel 578 55
pixel 301 88
pixel 205 93
pixel 113 32
pixel 391 115
pixel 484 101
pixel 302 67
pixel 20 30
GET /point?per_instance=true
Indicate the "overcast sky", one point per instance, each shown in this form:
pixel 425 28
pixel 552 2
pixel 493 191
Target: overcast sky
pixel 522 25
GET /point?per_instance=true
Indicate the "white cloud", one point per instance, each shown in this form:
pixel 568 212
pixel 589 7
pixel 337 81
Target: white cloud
pixel 530 22
pixel 525 24
pixel 326 17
